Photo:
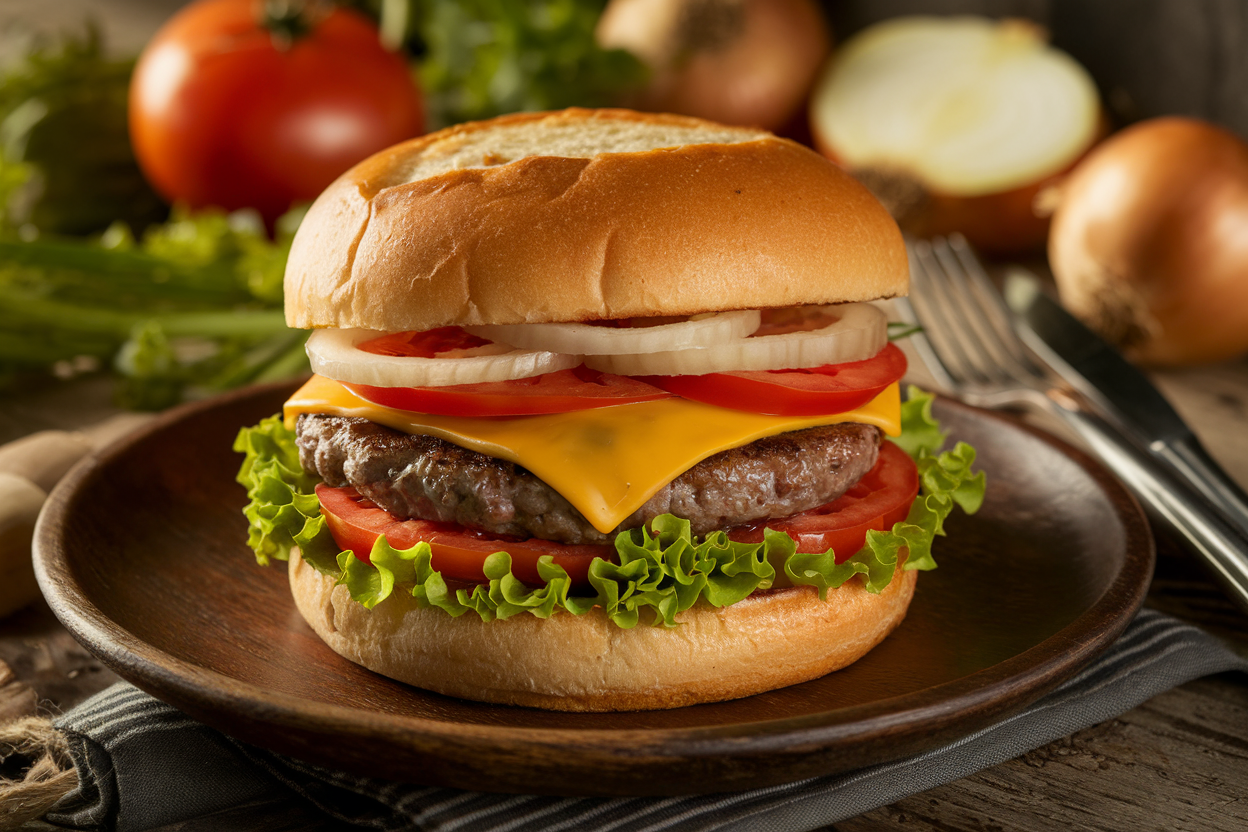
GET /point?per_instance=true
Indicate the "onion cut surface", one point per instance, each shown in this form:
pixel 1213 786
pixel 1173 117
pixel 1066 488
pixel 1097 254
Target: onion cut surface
pixel 805 337
pixel 639 337
pixel 452 358
pixel 966 105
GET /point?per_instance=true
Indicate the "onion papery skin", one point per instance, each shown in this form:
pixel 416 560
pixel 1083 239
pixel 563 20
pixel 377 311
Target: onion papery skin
pixel 1149 244
pixel 999 224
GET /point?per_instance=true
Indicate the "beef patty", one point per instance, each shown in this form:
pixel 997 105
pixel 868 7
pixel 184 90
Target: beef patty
pixel 432 479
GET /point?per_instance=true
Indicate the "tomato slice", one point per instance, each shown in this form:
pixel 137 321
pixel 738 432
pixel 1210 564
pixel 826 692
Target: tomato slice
pixel 577 389
pixel 877 501
pixel 459 553
pixel 427 344
pixel 832 388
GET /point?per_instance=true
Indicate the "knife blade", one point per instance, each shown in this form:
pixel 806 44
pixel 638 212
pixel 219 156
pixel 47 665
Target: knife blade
pixel 1090 365
pixel 1119 391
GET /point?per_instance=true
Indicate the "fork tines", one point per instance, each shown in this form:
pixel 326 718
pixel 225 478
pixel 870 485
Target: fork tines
pixel 970 340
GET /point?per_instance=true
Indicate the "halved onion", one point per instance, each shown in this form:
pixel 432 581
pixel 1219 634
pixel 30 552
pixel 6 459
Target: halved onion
pixel 591 339
pixel 858 332
pixel 957 123
pixel 334 355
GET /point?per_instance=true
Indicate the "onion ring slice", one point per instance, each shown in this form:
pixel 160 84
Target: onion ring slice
pixel 592 339
pixel 858 332
pixel 334 354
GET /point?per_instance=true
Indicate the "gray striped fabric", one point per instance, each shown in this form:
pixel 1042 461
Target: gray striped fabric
pixel 144 764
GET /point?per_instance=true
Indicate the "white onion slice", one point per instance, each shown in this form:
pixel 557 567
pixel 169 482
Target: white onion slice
pixel 334 355
pixel 860 332
pixel 587 339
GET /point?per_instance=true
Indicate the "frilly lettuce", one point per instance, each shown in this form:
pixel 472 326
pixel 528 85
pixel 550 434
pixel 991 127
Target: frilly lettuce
pixel 662 569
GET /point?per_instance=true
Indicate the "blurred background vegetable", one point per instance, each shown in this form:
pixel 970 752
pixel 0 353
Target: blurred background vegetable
pixel 1150 241
pixel 957 123
pixel 238 104
pixel 65 161
pixel 194 308
pixel 747 62
pixel 483 58
pixel 234 105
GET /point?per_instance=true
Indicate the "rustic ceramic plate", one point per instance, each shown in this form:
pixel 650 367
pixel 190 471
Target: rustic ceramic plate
pixel 141 554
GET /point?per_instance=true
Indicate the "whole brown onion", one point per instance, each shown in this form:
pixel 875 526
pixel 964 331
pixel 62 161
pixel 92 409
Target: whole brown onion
pixel 746 62
pixel 1149 243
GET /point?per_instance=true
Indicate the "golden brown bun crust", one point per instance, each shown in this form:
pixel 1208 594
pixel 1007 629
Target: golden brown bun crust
pixel 586 663
pixel 746 221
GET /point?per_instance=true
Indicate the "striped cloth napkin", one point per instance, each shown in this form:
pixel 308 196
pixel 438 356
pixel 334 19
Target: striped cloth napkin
pixel 143 764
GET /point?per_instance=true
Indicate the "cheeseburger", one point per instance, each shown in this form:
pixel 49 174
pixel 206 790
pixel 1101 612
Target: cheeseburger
pixel 602 417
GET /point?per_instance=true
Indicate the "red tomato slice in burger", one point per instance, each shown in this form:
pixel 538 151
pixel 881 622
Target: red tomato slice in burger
pixel 877 501
pixel 577 389
pixel 458 553
pixel 832 388
pixel 428 344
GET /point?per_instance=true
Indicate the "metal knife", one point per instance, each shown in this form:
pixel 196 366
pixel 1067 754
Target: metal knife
pixel 1121 392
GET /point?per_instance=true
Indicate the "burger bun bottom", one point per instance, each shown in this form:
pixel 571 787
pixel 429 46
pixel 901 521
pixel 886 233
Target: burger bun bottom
pixel 567 662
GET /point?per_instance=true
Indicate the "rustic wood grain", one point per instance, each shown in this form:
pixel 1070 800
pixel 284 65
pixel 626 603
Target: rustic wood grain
pixel 42 656
pixel 1178 762
pixel 1214 401
pixel 60 406
pixel 17 699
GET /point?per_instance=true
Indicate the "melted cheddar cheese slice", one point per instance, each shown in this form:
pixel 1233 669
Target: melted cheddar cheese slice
pixel 608 461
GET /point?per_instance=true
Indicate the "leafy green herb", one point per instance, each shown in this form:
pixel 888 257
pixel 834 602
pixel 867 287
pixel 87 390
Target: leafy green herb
pixel 66 166
pixel 900 329
pixel 487 57
pixel 192 309
pixel 662 570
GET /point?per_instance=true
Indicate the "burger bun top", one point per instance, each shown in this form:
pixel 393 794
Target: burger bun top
pixel 586 215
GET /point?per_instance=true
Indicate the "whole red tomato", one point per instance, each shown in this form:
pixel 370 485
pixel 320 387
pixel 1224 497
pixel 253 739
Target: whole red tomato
pixel 232 106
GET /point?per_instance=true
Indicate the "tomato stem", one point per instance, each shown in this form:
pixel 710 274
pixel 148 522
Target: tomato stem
pixel 286 21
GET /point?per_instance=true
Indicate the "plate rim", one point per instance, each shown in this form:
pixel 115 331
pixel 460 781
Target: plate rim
pixel 1013 683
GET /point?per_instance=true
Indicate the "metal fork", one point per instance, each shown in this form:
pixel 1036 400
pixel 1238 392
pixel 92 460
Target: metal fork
pixel 971 347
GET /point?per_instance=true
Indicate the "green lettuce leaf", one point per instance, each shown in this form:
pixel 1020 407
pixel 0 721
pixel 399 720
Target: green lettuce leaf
pixel 282 511
pixel 662 570
pixel 919 429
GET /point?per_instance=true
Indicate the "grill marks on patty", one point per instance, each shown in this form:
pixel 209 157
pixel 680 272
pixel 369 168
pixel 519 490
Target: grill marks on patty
pixel 432 479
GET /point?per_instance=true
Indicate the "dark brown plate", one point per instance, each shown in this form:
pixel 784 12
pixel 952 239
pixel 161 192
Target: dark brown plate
pixel 141 555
